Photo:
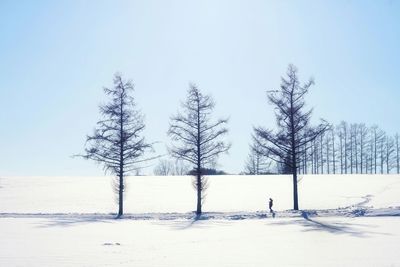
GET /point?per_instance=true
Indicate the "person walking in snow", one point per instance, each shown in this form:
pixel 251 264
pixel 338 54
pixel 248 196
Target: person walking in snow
pixel 270 204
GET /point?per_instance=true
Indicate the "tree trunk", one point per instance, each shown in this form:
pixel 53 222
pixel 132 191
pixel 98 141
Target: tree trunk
pixel 387 156
pixel 333 153
pixel 121 180
pixel 375 153
pixel 341 154
pixel 199 182
pixel 397 154
pixel 356 147
pixel 295 194
pixel 199 186
pixel 327 156
pixel 294 171
pixel 371 160
pixel 294 158
pixel 322 154
pixel 345 151
pixel 121 195
pixel 312 157
pixel 382 157
pixel 351 152
pixel 361 150
pixel 121 164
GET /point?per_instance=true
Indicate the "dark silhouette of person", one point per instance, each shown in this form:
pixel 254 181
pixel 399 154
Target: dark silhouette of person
pixel 270 204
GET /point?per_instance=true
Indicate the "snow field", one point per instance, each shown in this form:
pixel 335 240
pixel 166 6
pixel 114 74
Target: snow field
pixel 159 194
pixel 51 221
pixel 361 241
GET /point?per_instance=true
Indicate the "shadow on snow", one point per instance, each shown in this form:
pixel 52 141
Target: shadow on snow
pixel 333 227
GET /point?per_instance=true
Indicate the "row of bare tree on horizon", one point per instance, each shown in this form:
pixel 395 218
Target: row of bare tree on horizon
pixel 343 149
pixel 197 140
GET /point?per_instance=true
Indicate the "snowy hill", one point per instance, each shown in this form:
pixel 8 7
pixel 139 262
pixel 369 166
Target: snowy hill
pixel 159 194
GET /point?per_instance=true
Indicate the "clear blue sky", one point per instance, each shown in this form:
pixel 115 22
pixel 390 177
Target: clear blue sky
pixel 55 57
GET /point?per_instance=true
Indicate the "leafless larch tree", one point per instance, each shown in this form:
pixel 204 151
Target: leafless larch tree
pixel 196 138
pixel 294 132
pixel 117 143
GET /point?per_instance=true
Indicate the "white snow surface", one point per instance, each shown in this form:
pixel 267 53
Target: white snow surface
pixel 164 194
pixel 345 220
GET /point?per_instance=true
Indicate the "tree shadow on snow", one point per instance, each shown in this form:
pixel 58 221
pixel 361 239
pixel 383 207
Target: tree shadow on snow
pixel 73 221
pixel 334 227
pixel 206 220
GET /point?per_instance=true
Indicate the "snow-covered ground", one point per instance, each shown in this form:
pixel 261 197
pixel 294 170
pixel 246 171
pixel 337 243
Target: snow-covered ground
pixel 67 221
pixel 160 194
pixel 279 242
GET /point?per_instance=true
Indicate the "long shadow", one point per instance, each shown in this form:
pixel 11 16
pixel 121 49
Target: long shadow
pixel 73 221
pixel 179 221
pixel 195 221
pixel 338 228
pixel 183 225
pixel 182 221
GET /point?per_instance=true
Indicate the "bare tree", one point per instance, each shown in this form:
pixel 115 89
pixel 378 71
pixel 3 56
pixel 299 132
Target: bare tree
pixel 116 142
pixel 371 152
pixel 390 150
pixel 353 147
pixel 315 154
pixel 196 138
pixel 343 135
pixel 293 131
pixel 396 138
pixel 321 151
pixel 180 168
pixel 333 149
pixel 382 152
pixel 257 163
pixel 340 134
pixel 368 151
pixel 312 156
pixel 164 168
pixel 377 136
pixel 303 160
pixel 330 153
pixel 363 133
pixel 361 149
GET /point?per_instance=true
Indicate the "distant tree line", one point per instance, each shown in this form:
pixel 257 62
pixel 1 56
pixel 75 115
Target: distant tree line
pixel 352 148
pixel 346 148
pixel 167 167
pixel 257 162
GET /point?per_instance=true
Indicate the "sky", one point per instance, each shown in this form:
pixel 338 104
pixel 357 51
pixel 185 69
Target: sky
pixel 56 57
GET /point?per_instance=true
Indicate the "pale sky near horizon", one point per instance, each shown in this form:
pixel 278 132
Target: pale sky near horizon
pixel 55 57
